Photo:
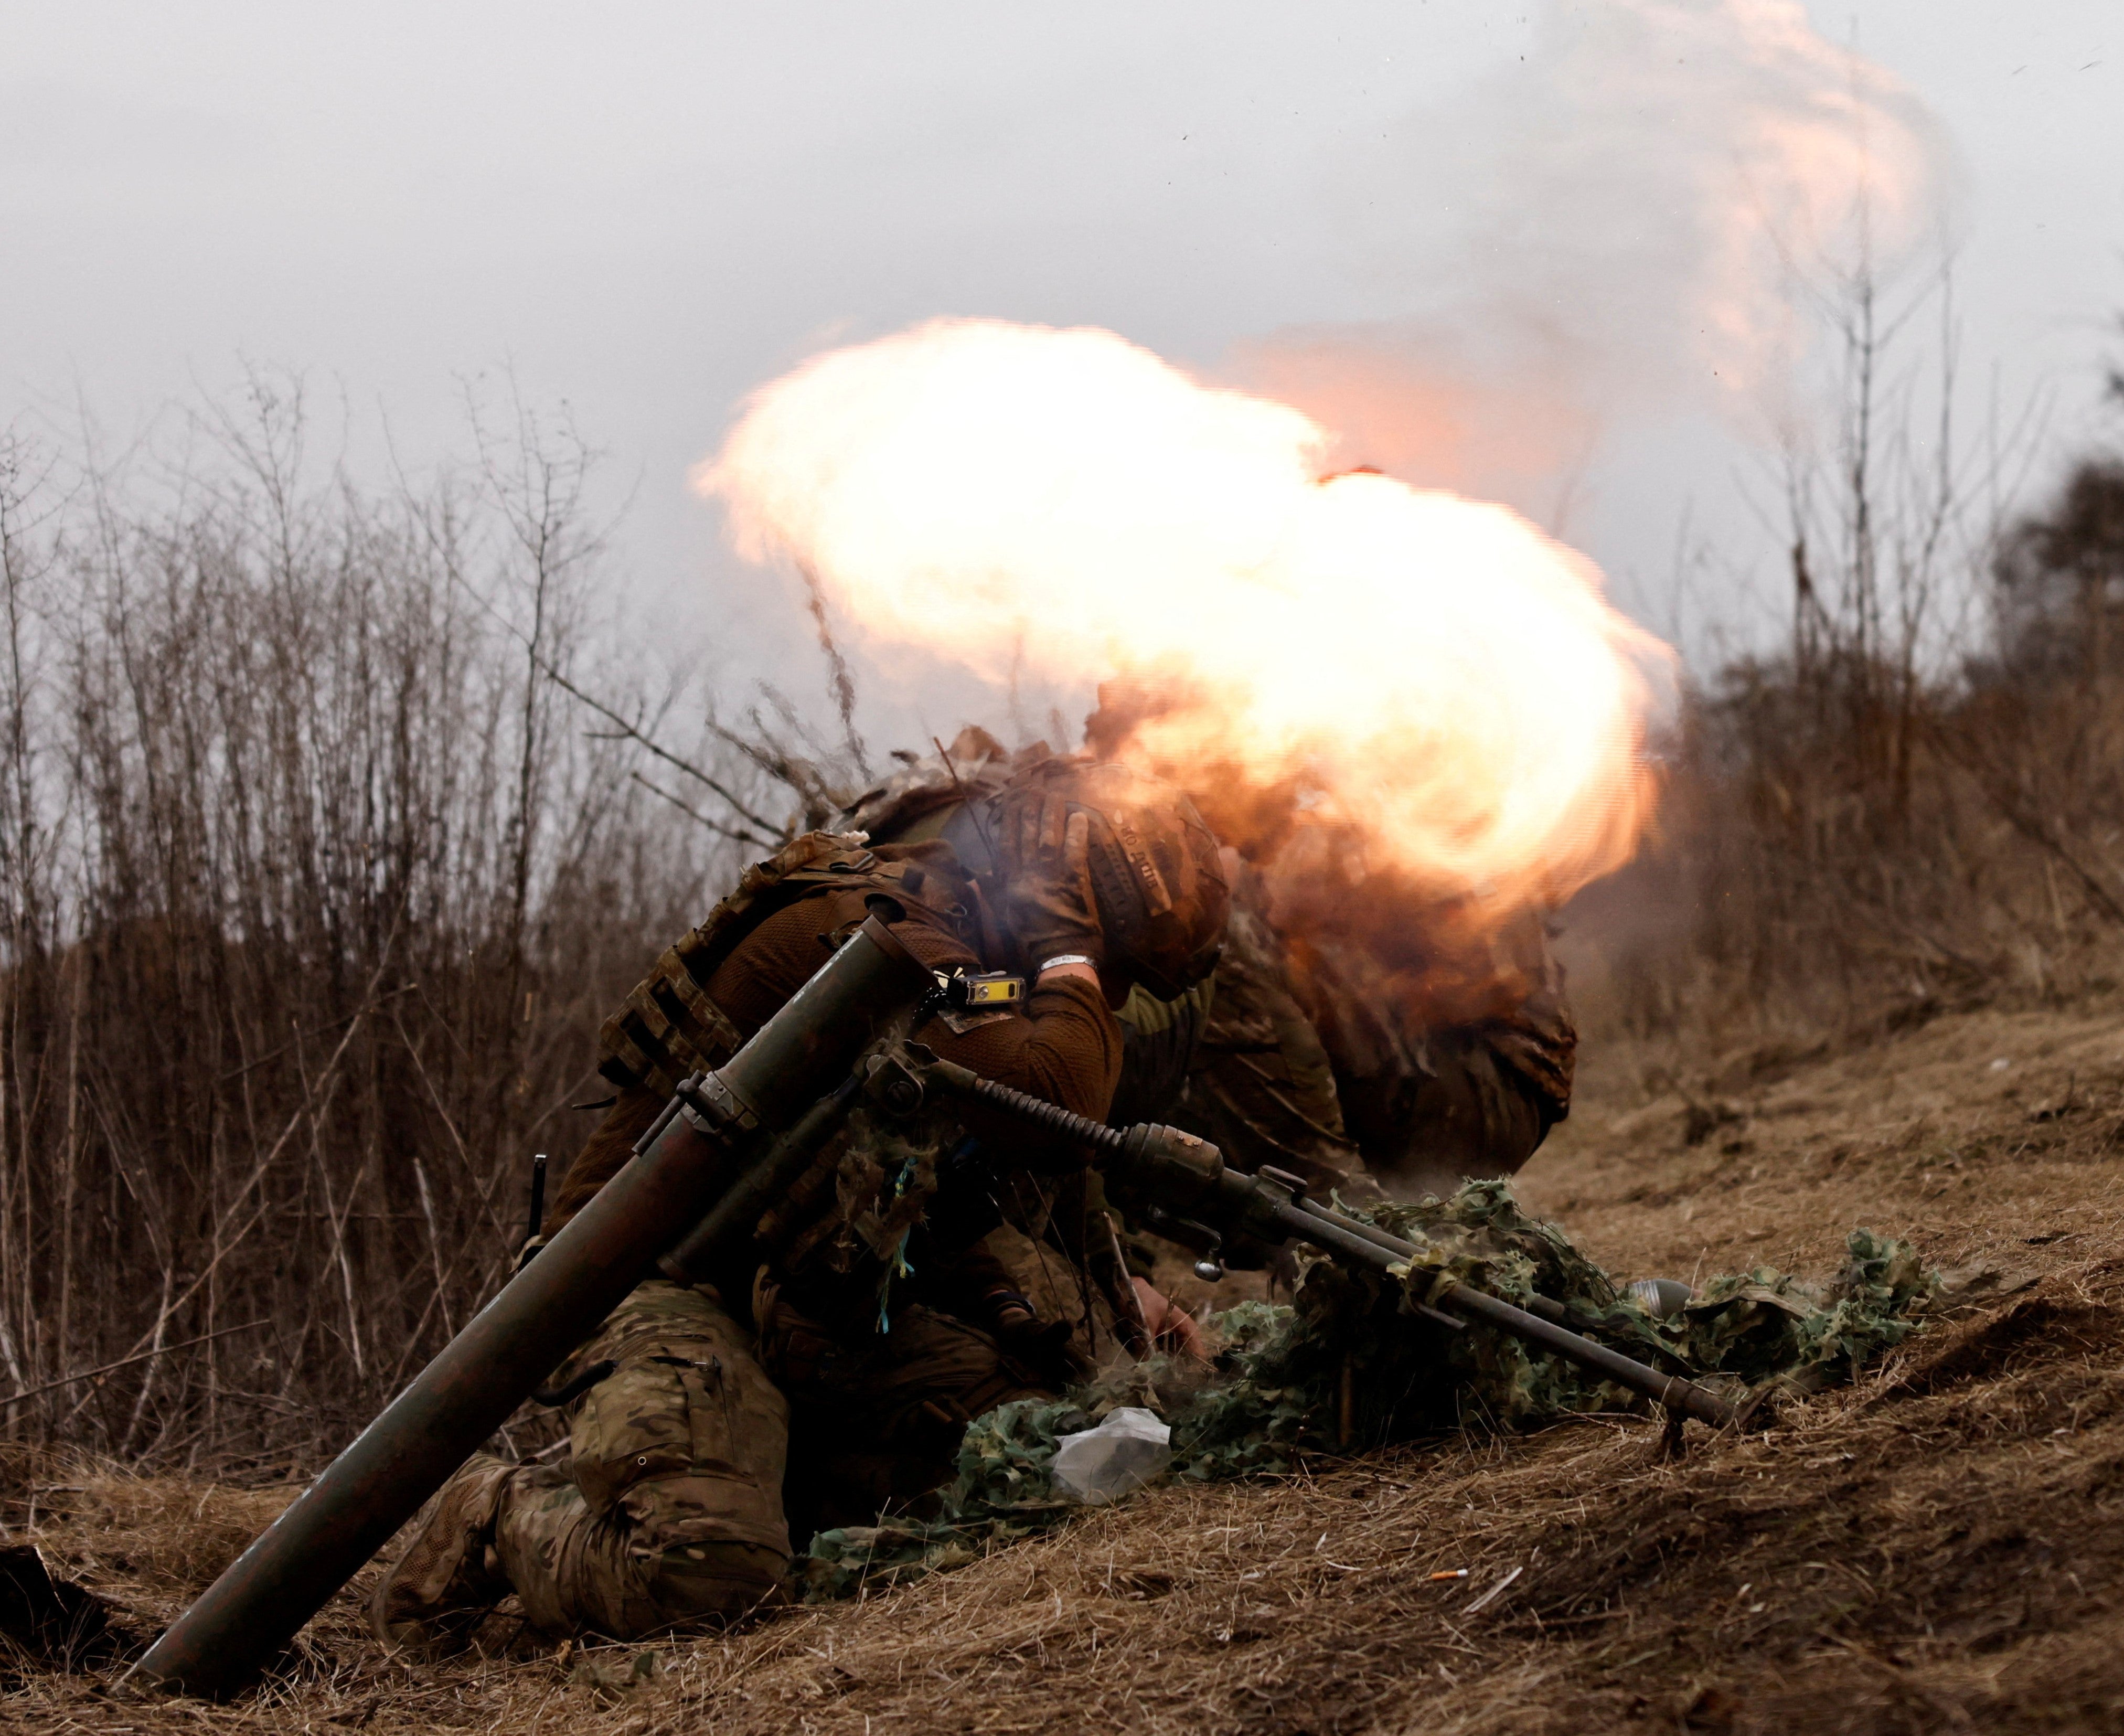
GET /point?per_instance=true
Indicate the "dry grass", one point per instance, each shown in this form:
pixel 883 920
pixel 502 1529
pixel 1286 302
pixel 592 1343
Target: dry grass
pixel 344 892
pixel 1937 1549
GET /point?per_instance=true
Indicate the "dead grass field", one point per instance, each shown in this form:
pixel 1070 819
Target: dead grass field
pixel 1937 1549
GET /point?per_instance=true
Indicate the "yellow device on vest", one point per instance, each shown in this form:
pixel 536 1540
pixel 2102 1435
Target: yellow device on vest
pixel 984 991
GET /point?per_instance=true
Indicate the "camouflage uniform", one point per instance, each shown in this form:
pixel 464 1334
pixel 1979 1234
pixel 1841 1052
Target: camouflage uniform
pixel 673 1507
pixel 1298 1057
pixel 669 1505
pixel 1259 1084
pixel 1429 1101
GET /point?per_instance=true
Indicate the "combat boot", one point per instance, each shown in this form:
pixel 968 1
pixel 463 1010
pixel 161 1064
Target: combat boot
pixel 447 1581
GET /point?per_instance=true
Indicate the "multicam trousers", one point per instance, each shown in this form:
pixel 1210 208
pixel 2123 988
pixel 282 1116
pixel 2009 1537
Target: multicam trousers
pixel 671 1509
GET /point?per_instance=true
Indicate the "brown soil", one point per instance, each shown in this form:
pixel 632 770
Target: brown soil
pixel 1936 1548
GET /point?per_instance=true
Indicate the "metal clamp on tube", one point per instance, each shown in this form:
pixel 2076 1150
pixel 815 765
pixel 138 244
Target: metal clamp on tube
pixel 715 1109
pixel 729 1226
pixel 548 1308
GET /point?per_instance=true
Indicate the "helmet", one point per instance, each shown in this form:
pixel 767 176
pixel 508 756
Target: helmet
pixel 1155 875
pixel 918 799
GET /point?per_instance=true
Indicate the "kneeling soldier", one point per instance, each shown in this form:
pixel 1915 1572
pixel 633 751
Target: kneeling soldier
pixel 830 1374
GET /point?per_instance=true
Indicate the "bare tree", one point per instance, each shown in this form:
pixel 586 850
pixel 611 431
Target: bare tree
pixel 320 876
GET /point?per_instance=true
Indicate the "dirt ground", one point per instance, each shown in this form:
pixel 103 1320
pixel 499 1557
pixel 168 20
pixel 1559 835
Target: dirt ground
pixel 1936 1548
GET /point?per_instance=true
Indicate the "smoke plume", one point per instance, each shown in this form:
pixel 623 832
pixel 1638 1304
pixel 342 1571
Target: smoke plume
pixel 1427 674
pixel 1627 223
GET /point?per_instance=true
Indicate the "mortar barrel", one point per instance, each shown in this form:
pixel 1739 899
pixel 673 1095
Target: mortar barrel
pixel 242 1620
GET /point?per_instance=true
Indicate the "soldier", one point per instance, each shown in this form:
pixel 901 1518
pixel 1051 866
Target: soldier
pixel 832 1377
pixel 1321 1058
pixel 1363 1052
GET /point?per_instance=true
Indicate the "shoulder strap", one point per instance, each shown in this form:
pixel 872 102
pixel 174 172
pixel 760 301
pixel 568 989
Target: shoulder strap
pixel 668 1026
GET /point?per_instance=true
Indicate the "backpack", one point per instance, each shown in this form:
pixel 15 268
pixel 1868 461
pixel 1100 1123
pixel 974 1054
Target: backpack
pixel 667 1028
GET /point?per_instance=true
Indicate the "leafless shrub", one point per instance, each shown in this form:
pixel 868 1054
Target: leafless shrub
pixel 316 888
pixel 1915 801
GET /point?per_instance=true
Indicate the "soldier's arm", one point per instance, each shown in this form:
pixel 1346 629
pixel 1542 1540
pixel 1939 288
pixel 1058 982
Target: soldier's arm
pixel 1065 1047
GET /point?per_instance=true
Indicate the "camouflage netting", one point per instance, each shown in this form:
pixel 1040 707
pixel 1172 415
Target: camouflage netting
pixel 1275 1390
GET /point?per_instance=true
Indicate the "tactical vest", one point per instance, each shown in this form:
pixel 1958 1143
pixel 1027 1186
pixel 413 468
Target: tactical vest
pixel 669 1028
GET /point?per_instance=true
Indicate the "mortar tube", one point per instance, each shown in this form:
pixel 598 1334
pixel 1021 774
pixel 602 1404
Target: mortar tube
pixel 235 1627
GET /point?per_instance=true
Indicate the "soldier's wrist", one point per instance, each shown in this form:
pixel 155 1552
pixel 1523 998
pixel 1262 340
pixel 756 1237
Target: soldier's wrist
pixel 1060 967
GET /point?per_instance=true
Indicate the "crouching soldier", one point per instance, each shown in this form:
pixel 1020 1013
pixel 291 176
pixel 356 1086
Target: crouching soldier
pixel 830 1373
pixel 1307 1049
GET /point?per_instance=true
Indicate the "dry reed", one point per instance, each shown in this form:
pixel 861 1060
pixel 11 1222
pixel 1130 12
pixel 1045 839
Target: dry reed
pixel 316 888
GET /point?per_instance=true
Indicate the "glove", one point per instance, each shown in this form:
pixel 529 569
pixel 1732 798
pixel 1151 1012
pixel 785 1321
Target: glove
pixel 1046 857
pixel 1043 1345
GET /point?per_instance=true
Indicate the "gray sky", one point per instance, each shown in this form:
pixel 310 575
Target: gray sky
pixel 647 209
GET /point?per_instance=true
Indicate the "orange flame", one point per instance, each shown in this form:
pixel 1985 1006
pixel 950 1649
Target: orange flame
pixel 1430 674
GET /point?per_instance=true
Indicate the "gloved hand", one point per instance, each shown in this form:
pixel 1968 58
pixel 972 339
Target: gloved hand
pixel 1045 857
pixel 1041 1345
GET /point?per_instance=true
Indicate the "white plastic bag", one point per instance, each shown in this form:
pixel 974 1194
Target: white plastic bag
pixel 1129 1449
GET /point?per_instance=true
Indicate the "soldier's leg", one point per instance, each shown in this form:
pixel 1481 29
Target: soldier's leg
pixel 878 1425
pixel 669 1511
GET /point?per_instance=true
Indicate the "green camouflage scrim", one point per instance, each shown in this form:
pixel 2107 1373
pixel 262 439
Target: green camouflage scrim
pixel 1740 1334
pixel 1002 1494
pixel 1276 1391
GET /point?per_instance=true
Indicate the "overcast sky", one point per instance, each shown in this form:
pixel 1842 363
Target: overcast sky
pixel 647 209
